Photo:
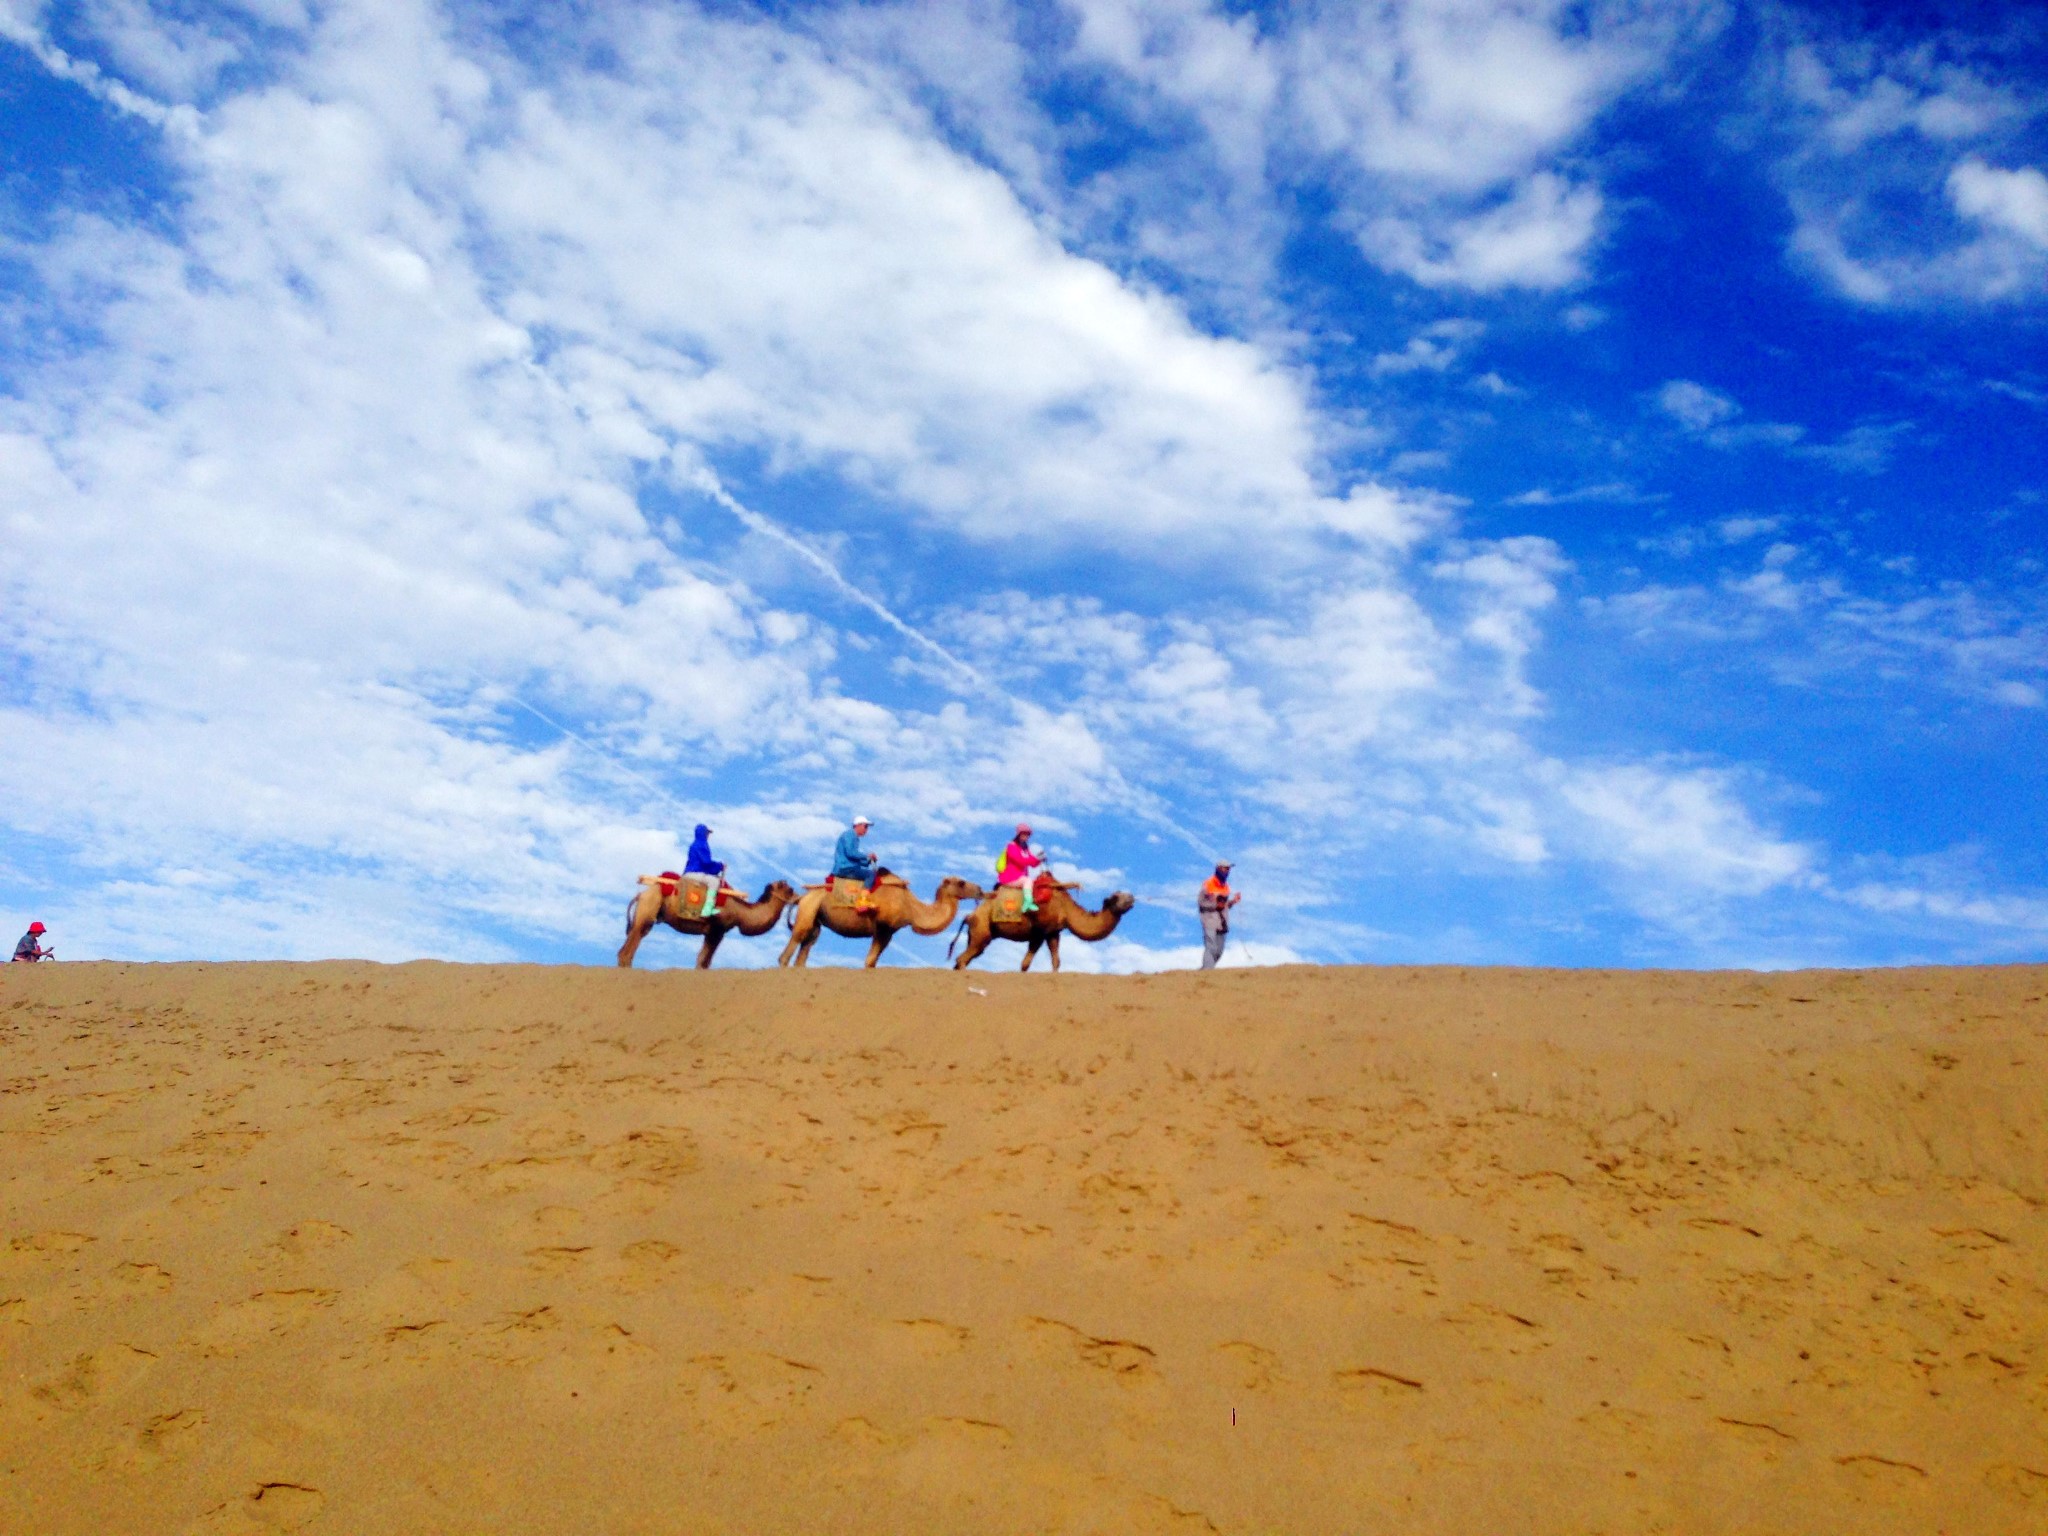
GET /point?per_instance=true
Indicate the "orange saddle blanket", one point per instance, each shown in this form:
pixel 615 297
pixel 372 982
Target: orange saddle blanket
pixel 1009 906
pixel 693 888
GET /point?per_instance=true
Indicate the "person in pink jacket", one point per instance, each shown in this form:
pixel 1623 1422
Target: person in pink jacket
pixel 1017 862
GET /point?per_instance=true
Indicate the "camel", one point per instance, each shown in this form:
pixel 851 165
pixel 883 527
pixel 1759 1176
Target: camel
pixel 671 905
pixel 1057 913
pixel 894 908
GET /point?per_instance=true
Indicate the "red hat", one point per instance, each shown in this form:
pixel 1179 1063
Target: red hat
pixel 37 928
pixel 1023 829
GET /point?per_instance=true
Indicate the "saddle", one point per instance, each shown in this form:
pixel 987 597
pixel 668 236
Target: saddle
pixel 846 892
pixel 1009 899
pixel 694 888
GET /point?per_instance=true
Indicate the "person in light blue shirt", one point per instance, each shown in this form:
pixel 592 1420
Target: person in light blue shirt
pixel 850 861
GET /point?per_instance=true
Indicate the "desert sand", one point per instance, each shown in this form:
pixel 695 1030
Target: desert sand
pixel 434 1248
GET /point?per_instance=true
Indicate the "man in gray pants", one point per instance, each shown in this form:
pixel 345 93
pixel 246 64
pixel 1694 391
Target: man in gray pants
pixel 1217 900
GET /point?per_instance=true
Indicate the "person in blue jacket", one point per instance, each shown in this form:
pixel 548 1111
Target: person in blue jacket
pixel 850 861
pixel 700 862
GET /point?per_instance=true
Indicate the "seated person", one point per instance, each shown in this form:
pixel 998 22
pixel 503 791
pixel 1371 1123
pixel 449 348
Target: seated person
pixel 1016 864
pixel 30 949
pixel 701 863
pixel 850 861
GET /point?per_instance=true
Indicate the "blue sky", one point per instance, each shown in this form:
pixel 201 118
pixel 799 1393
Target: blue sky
pixel 1534 483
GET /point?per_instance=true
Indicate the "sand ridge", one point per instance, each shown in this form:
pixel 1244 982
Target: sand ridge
pixel 344 1247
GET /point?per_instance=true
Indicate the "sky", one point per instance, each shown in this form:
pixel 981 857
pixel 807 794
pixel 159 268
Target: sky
pixel 1529 482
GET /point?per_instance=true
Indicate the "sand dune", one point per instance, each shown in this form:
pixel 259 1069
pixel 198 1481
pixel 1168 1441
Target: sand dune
pixel 432 1248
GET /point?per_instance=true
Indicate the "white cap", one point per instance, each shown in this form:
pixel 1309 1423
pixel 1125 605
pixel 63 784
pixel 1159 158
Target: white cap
pixel 862 821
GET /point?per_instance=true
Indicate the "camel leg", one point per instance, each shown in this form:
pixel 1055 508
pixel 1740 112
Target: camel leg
pixel 1030 951
pixel 1052 947
pixel 977 941
pixel 882 938
pixel 789 950
pixel 714 935
pixel 636 930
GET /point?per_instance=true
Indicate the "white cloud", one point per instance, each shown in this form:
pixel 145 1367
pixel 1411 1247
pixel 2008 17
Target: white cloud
pixel 1443 123
pixel 1818 628
pixel 1537 237
pixel 1738 530
pixel 1433 349
pixel 1683 826
pixel 1883 161
pixel 1696 406
pixel 2015 202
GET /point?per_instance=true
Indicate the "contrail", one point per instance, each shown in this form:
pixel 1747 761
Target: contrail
pixel 183 121
pixel 93 80
pixel 1143 802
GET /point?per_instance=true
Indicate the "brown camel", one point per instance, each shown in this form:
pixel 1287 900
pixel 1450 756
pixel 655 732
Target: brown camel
pixel 893 908
pixel 1057 913
pixel 661 902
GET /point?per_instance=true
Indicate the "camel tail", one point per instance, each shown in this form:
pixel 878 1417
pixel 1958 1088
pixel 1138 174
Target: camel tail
pixel 956 938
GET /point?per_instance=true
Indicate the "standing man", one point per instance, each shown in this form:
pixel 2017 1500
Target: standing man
pixel 850 861
pixel 1217 900
pixel 30 948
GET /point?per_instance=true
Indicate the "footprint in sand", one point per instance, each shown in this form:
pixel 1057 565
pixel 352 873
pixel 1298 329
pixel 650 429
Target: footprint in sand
pixel 204 1202
pixel 1366 1388
pixel 2016 1482
pixel 92 1376
pixel 265 1508
pixel 1122 1359
pixel 1255 1367
pixel 48 1245
pixel 658 1154
pixel 268 1314
pixel 207 1149
pixel 457 1117
pixel 791 1297
pixel 931 1339
pixel 1761 1436
pixel 1496 1330
pixel 312 1236
pixel 166 1437
pixel 644 1265
pixel 557 1259
pixel 748 1390
pixel 557 1218
pixel 141 1277
pixel 524 1175
pixel 1882 1471
pixel 418 1342
pixel 953 1456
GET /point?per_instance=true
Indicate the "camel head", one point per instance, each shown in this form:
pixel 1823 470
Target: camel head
pixel 959 890
pixel 1119 902
pixel 779 890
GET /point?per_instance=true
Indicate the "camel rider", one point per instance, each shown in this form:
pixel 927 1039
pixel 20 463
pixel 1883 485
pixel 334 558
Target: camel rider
pixel 1016 864
pixel 1215 904
pixel 30 949
pixel 850 861
pixel 700 862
